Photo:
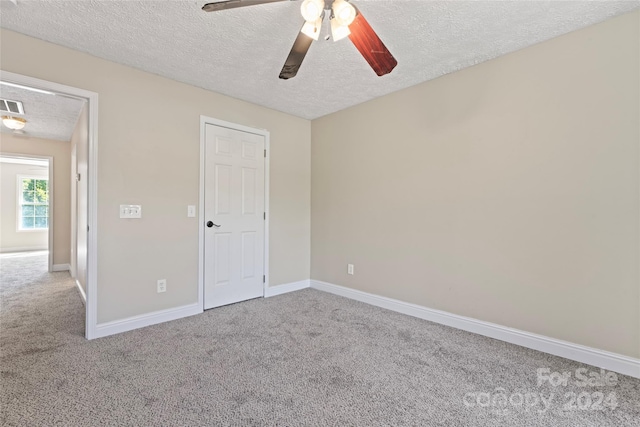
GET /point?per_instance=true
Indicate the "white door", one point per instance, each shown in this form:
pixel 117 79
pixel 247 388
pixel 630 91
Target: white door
pixel 74 211
pixel 233 216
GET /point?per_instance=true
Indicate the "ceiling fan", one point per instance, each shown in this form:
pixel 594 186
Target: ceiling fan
pixel 346 21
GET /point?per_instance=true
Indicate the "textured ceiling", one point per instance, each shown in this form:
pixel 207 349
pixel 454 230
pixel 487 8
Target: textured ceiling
pixel 48 116
pixel 240 52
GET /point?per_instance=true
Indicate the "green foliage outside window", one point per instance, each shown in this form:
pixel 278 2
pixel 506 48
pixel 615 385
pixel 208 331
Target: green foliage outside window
pixel 34 204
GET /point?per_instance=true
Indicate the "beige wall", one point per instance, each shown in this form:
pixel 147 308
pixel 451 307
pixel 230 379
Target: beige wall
pixel 12 240
pixel 148 152
pixel 506 192
pixel 60 151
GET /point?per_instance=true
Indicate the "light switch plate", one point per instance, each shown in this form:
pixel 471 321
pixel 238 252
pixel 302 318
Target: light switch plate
pixel 191 211
pixel 130 211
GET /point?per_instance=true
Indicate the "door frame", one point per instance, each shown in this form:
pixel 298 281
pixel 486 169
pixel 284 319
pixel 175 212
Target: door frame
pixel 204 121
pixel 91 306
pixel 73 261
pixel 49 160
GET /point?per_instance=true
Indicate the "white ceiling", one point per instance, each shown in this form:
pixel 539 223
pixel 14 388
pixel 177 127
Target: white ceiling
pixel 240 52
pixel 48 116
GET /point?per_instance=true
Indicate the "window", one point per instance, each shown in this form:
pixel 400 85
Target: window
pixel 33 203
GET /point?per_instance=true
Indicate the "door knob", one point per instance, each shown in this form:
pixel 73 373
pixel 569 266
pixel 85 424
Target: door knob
pixel 211 224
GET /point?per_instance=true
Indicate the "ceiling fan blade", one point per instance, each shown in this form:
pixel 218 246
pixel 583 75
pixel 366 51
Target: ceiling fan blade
pixel 232 4
pixel 296 56
pixel 370 46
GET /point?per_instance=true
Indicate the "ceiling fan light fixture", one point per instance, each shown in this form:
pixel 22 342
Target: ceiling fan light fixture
pixel 338 31
pixel 344 12
pixel 14 123
pixel 312 10
pixel 312 29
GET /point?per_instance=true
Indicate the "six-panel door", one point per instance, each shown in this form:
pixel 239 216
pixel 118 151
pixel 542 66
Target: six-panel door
pixel 234 206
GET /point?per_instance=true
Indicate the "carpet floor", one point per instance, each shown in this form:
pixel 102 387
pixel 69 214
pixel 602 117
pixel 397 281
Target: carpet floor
pixel 305 358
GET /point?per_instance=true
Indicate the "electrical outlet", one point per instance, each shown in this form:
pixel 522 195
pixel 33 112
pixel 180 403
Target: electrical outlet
pixel 350 269
pixel 162 285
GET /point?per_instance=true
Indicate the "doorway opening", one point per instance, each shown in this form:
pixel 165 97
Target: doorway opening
pixel 81 213
pixel 27 200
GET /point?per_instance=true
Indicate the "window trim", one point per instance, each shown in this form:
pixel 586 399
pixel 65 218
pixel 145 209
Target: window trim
pixel 19 179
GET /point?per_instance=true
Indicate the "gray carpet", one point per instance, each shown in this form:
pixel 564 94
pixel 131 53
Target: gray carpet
pixel 302 359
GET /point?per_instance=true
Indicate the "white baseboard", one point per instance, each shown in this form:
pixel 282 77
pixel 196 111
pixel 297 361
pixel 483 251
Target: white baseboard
pixel 591 356
pixel 136 322
pixel 61 267
pixel 287 287
pixel 24 249
pixel 82 293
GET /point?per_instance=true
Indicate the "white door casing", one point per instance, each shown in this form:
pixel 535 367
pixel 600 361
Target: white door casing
pixel 234 215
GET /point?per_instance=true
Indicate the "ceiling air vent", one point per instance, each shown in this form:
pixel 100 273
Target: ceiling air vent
pixel 8 106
